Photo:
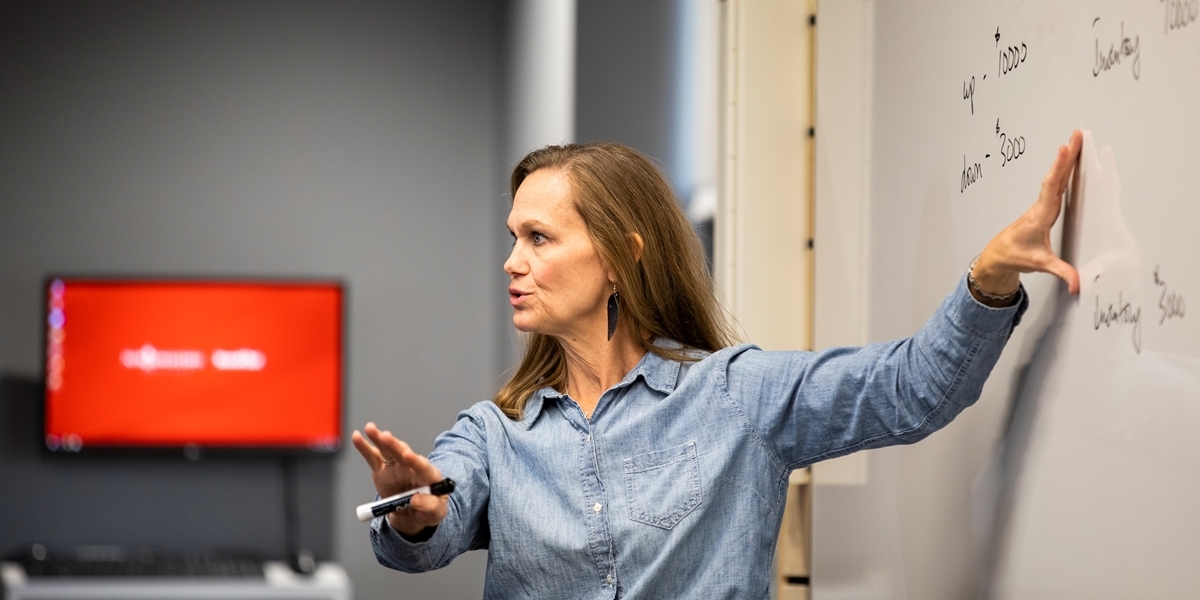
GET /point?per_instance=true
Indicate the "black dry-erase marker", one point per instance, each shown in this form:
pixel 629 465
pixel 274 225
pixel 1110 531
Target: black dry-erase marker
pixel 383 506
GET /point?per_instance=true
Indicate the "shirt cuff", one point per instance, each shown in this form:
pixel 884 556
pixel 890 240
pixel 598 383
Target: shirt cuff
pixel 983 320
pixel 389 543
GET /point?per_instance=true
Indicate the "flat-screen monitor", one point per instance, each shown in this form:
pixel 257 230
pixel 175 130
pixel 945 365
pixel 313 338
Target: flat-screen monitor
pixel 193 364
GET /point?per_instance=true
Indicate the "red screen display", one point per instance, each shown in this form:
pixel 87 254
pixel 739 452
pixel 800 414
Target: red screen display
pixel 169 364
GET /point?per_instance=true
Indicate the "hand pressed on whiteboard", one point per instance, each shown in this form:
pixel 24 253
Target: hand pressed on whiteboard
pixel 1024 246
pixel 395 468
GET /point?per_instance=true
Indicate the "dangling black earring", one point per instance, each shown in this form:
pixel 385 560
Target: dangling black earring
pixel 614 309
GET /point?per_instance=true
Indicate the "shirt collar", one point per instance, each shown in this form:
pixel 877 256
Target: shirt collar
pixel 533 407
pixel 660 375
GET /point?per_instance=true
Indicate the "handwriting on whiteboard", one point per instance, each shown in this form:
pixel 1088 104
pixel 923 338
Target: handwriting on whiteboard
pixel 1011 146
pixel 970 174
pixel 1120 313
pixel 1124 49
pixel 1178 14
pixel 1010 58
pixel 1170 303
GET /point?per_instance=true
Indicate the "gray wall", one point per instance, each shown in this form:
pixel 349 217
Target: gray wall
pixel 357 141
pixel 626 88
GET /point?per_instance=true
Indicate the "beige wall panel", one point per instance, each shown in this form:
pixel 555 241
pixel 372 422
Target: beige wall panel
pixel 763 266
pixel 794 592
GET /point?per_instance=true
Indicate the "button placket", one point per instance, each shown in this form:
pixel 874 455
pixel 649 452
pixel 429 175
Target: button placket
pixel 599 535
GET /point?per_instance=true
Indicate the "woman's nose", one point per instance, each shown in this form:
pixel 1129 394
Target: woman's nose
pixel 514 265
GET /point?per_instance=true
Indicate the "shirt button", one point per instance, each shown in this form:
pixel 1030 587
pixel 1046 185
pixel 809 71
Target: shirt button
pixel 597 507
pixel 610 577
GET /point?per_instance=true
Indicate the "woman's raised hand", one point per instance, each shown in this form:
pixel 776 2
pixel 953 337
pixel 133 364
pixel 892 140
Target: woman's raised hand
pixel 395 468
pixel 1024 246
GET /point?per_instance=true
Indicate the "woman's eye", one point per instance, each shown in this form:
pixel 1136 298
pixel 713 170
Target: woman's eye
pixel 538 238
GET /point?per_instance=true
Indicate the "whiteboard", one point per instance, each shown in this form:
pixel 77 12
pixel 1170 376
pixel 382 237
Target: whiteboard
pixel 1100 491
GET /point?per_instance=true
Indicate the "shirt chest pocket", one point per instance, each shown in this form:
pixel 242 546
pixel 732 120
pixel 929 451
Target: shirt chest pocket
pixel 662 487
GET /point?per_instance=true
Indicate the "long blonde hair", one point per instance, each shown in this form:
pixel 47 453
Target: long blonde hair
pixel 667 293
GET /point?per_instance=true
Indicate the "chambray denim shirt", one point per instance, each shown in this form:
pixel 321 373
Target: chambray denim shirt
pixel 676 485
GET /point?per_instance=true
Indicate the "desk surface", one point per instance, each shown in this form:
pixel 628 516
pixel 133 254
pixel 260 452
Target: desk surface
pixel 278 582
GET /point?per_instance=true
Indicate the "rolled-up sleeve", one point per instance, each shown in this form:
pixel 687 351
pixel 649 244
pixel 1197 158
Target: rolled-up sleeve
pixel 461 454
pixel 809 407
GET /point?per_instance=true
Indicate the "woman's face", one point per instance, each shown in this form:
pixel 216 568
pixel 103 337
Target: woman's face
pixel 558 285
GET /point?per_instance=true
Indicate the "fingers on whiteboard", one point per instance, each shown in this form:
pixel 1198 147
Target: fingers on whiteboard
pixel 1074 145
pixel 1062 171
pixel 1055 181
pixel 1064 270
pixel 1076 141
pixel 1067 273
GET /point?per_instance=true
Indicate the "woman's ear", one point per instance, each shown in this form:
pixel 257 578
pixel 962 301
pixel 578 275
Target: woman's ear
pixel 636 245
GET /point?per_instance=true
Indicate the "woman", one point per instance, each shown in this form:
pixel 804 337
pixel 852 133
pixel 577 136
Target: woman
pixel 636 453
